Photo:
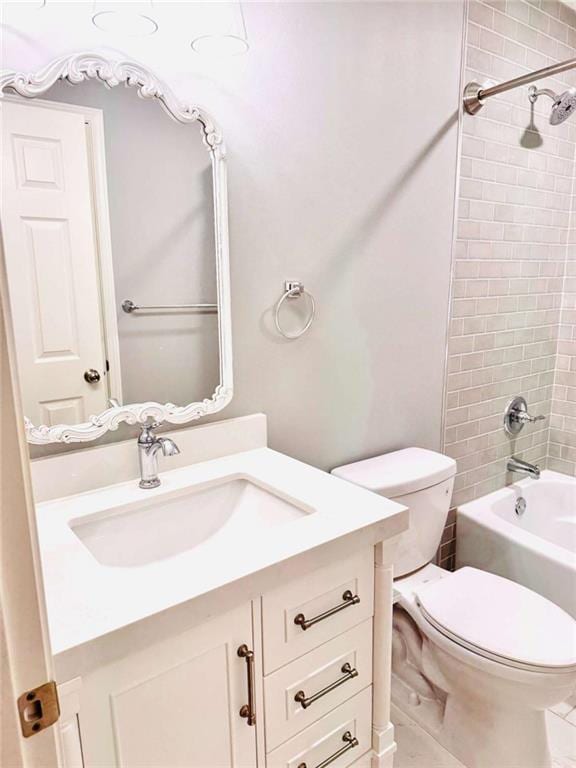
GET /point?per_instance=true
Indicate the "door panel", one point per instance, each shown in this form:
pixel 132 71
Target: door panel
pixel 48 246
pixel 25 658
pixel 52 263
pixel 176 704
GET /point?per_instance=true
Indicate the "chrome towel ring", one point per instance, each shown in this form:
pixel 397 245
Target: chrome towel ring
pixel 293 289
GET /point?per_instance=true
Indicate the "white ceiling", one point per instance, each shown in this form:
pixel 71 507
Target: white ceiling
pixel 34 35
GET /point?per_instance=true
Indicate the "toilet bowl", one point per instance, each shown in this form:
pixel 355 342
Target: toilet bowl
pixel 490 684
pixel 476 659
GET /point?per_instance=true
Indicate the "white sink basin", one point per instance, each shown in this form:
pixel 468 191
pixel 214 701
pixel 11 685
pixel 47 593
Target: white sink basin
pixel 144 532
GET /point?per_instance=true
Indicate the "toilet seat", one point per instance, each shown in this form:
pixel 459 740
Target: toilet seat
pixel 500 620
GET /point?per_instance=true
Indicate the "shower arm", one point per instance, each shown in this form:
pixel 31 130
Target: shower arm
pixel 475 94
pixel 534 93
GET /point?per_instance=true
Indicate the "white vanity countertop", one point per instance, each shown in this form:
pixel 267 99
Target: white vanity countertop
pixel 86 599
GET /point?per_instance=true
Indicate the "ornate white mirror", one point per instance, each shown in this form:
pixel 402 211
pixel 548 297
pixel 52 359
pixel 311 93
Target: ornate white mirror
pixel 115 238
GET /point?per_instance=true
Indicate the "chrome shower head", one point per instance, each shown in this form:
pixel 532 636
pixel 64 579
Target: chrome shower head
pixel 563 107
pixel 564 104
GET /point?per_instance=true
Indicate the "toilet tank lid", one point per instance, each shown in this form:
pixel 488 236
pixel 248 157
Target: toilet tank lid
pixel 400 472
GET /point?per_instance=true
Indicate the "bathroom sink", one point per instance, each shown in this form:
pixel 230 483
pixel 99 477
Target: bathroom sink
pixel 150 530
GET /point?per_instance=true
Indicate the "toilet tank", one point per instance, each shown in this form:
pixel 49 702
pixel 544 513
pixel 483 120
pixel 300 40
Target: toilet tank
pixel 422 480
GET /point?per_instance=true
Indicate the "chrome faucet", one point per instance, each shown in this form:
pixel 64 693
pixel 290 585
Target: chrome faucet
pixel 519 465
pixel 148 446
pixel 516 416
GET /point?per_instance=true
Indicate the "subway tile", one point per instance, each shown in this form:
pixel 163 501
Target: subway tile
pixel 491 42
pixel 518 9
pixel 505 25
pixel 481 14
pixel 513 315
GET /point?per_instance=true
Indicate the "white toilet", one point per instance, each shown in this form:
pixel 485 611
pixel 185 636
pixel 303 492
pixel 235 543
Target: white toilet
pixel 477 659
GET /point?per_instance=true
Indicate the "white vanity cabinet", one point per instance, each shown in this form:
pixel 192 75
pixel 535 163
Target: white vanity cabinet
pixel 179 702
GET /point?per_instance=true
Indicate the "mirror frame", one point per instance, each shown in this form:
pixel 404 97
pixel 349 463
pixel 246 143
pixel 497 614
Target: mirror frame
pixel 75 69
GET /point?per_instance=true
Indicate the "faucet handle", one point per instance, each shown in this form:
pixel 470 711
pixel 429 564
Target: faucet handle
pixel 145 428
pixel 527 418
pixel 516 416
pixel 147 433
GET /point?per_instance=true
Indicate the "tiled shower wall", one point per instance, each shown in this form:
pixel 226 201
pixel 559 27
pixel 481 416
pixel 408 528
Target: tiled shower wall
pixel 562 449
pixel 513 228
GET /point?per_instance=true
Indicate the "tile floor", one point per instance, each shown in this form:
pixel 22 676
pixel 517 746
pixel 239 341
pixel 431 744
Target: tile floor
pixel 562 730
pixel 417 749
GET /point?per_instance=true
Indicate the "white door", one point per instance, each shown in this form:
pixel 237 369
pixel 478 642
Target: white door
pixel 174 703
pixel 25 659
pixel 52 264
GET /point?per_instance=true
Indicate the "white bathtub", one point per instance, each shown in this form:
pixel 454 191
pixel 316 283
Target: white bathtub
pixel 536 548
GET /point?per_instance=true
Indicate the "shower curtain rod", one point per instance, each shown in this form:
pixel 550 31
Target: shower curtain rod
pixel 475 94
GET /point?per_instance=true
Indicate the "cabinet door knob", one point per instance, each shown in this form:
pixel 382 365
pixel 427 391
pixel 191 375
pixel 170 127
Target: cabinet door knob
pixel 91 376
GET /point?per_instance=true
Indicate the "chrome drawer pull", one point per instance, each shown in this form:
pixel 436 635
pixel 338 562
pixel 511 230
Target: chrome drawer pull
pixel 248 711
pixel 347 597
pixel 351 742
pixel 349 674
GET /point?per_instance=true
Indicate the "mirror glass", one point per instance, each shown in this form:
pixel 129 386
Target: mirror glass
pixel 108 220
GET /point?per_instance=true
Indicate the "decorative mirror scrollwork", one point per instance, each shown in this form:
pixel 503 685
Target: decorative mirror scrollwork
pixel 41 86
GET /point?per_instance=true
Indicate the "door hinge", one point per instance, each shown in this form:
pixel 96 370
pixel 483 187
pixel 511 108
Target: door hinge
pixel 38 709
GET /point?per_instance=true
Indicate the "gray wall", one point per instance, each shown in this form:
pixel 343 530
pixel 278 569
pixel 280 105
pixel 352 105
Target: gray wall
pixel 341 126
pixel 342 174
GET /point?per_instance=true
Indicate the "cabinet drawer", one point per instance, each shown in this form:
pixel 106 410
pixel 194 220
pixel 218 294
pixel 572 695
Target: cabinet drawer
pixel 325 738
pixel 307 688
pixel 323 600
